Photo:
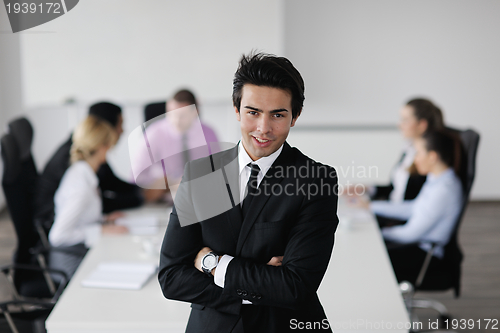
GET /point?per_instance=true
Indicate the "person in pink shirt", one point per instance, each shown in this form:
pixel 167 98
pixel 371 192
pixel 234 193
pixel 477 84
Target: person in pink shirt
pixel 172 141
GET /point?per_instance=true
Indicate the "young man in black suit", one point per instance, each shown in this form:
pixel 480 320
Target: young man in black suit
pixel 252 229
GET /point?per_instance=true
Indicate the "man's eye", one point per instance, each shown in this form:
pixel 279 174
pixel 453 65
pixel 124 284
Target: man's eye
pixel 278 115
pixel 252 112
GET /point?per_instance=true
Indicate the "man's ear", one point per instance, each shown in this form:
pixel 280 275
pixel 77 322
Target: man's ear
pixel 295 119
pixel 238 116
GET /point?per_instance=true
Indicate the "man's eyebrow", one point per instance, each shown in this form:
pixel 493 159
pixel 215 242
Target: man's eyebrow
pixel 259 110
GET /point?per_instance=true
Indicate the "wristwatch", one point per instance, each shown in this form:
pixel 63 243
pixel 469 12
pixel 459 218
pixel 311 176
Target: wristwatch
pixel 209 262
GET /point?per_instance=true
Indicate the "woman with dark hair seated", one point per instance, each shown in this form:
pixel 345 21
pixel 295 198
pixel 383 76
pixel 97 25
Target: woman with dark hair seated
pixel 432 215
pixel 418 117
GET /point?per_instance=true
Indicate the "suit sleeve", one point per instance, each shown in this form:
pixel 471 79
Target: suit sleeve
pixel 382 192
pixel 123 195
pixel 306 259
pixel 179 279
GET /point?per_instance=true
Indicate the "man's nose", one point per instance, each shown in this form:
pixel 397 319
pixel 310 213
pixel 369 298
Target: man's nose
pixel 264 125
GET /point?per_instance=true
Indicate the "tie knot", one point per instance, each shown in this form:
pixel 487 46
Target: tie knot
pixel 255 169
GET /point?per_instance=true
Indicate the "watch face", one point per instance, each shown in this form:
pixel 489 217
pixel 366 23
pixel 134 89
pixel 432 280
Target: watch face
pixel 209 261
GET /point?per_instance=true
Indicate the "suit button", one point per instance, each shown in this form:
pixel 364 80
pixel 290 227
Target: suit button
pixel 253 295
pixel 244 293
pixel 239 292
pixel 258 296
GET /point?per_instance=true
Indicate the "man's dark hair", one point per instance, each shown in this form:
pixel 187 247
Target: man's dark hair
pixel 185 96
pixel 268 70
pixel 107 111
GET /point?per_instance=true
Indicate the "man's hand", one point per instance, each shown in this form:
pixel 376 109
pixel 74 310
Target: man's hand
pixel 199 256
pixel 276 261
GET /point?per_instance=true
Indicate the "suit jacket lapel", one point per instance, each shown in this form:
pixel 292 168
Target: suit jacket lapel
pixel 230 170
pixel 272 178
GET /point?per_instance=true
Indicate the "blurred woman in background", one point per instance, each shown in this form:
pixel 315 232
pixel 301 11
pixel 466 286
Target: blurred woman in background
pixel 432 215
pixel 78 206
pixel 418 116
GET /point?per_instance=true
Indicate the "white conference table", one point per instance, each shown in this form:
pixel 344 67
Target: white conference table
pixel 359 291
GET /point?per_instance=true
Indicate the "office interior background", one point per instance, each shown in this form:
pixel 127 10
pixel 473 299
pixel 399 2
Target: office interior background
pixel 361 61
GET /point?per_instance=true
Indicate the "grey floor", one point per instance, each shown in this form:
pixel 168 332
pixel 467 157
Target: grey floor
pixel 480 241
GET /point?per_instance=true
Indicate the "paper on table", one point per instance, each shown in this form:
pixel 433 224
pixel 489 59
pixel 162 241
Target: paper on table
pixel 359 215
pixel 120 275
pixel 140 225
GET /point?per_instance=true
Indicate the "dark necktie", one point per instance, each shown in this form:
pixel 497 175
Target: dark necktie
pixel 250 189
pixel 402 158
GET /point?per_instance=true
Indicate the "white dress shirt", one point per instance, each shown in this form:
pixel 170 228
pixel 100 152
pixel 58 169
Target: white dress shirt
pixel 264 164
pixel 2 196
pixel 78 207
pixel 400 175
pixel 431 215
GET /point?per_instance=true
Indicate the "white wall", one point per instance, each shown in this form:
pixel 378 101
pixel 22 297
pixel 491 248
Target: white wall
pixel 133 51
pixel 362 59
pixel 11 99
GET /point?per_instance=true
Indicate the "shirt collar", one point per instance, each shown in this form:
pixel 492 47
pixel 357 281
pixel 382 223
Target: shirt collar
pixel 446 174
pixel 264 163
pixel 88 172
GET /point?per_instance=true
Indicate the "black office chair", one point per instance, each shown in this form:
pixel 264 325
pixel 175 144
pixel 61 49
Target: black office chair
pixel 22 131
pixel 33 289
pixel 446 276
pixel 19 185
pixel 154 110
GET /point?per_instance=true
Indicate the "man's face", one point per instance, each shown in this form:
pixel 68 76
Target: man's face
pixel 181 120
pixel 265 119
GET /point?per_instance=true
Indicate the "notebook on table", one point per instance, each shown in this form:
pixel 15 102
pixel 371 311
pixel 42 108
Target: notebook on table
pixel 140 225
pixel 120 275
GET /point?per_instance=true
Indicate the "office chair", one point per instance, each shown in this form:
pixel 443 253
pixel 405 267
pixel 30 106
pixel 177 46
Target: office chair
pixel 20 185
pixel 34 292
pixel 447 276
pixel 154 110
pixel 22 131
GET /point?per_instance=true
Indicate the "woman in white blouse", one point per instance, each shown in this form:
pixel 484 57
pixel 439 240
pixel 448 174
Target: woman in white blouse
pixel 78 205
pixel 417 117
pixel 433 214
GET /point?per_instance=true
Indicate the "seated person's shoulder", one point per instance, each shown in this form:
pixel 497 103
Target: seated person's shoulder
pixel 79 173
pixel 59 162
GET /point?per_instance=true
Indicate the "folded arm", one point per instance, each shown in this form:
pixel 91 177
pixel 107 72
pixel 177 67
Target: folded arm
pixel 306 258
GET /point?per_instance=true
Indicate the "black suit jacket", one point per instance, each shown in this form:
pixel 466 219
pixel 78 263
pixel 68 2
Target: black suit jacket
pixel 413 187
pixel 298 223
pixel 116 194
